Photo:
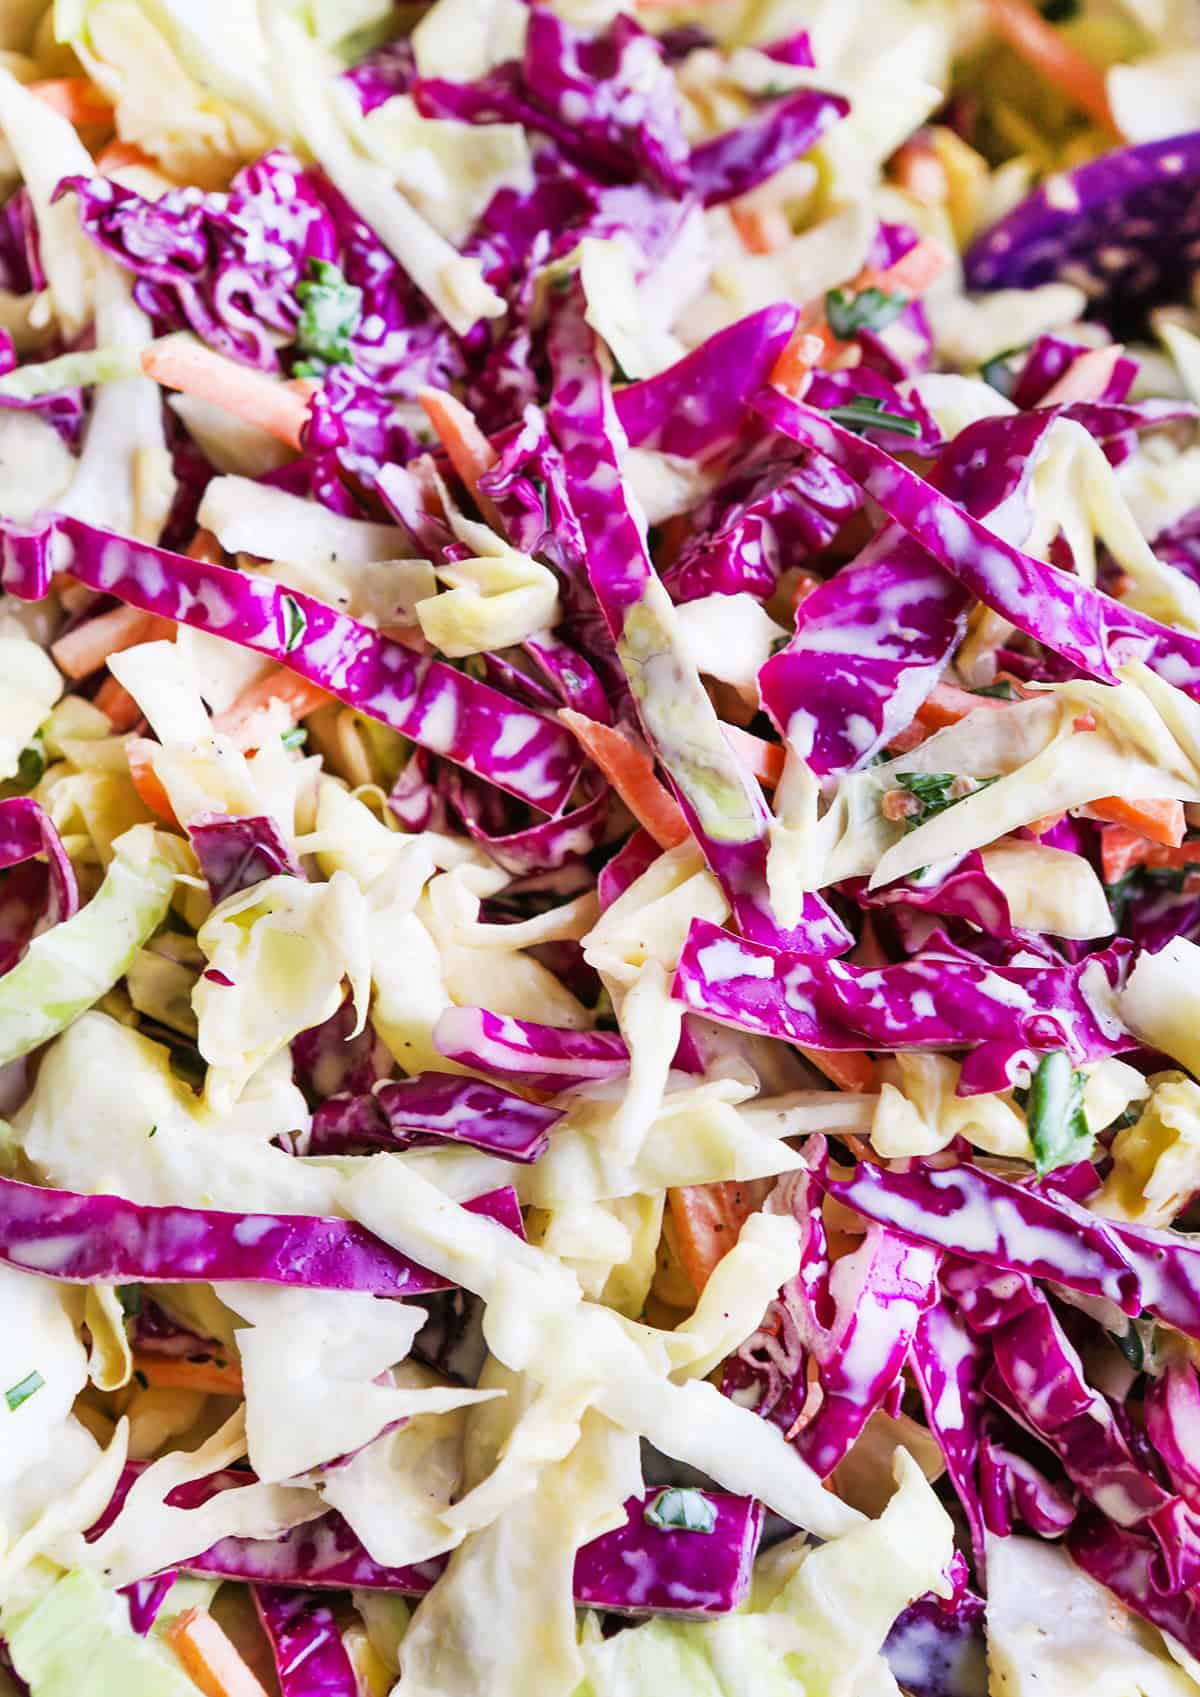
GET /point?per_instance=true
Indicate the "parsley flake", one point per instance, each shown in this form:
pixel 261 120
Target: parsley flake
pixel 15 1395
pixel 1058 1127
pixel 866 413
pixel 681 1509
pixel 331 311
pixel 295 621
pixel 847 312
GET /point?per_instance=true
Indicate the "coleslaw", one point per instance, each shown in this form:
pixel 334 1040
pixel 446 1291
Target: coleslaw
pixel 599 848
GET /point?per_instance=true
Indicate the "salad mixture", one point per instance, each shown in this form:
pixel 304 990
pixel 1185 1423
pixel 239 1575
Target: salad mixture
pixel 600 848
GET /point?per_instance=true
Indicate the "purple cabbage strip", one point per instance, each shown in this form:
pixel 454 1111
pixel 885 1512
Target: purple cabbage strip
pixel 733 163
pixel 935 1001
pixel 869 646
pixel 310 1658
pixel 1013 1490
pixel 1051 357
pixel 1082 624
pixel 542 847
pixel 545 1057
pixel 107 1240
pixel 1172 1411
pixel 626 867
pixel 975 1213
pixel 723 804
pixel 949 1367
pixel 329 1059
pixel 145 1598
pixel 758 522
pixel 636 1569
pixel 1125 226
pixel 444 710
pixel 960 890
pixel 431 1108
pixel 34 893
pixel 697 407
pixel 1127 1563
pixel 938 1651
pixel 236 854
pixel 383 73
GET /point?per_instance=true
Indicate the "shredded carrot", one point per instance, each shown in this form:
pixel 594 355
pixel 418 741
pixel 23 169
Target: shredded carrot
pixel 1160 821
pixel 177 1373
pixel 630 770
pixel 210 1658
pixel 763 229
pixel 74 98
pixel 140 752
pixel 204 546
pixel 117 155
pixel 282 695
pixel 764 759
pixel 1048 53
pixel 1047 822
pixel 708 1219
pixel 920 173
pixel 1121 849
pixel 849 1069
pixel 115 701
pixel 85 649
pixel 469 451
pixel 804 353
pixel 802 588
pixel 1086 378
pixel 281 409
pixel 914 271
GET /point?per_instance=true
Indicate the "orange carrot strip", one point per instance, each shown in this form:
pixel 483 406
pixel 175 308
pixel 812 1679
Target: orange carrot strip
pixel 470 452
pixel 1086 378
pixel 204 546
pixel 116 155
pixel 803 587
pixel 281 688
pixel 1047 822
pixel 86 648
pixel 763 229
pixel 764 759
pixel 177 1373
pixel 1161 821
pixel 210 1658
pixel 804 353
pixel 115 701
pixel 708 1219
pixel 1047 52
pixel 915 270
pixel 849 1069
pixel 75 98
pixel 946 704
pixel 281 409
pixel 1121 849
pixel 630 770
pixel 140 752
pixel 920 172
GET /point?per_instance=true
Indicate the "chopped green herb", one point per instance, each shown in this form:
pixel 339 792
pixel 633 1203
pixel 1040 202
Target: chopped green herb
pixel 31 763
pixel 998 374
pixel 295 738
pixel 15 1395
pixel 130 1297
pixel 934 792
pixel 868 414
pixel 1058 1127
pixel 680 1509
pixel 1132 1344
pixel 331 310
pixel 870 309
pixel 153 1132
pixel 1002 691
pixel 141 1378
pixel 296 621
pixel 1058 11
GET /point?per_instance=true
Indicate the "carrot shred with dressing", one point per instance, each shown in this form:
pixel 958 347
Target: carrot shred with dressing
pixel 177 1373
pixel 630 770
pixel 140 753
pixel 1047 52
pixel 210 1658
pixel 708 1219
pixel 764 759
pixel 281 409
pixel 87 647
pixel 1086 378
pixel 117 705
pixel 1122 849
pixel 75 98
pixel 275 704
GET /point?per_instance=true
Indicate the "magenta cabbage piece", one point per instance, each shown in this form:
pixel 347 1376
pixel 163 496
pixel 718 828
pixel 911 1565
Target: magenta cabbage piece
pixel 733 163
pixel 697 407
pixel 545 1057
pixel 65 409
pixel 1127 1562
pixel 828 389
pixel 574 681
pixel 759 521
pixel 310 1658
pixel 935 1001
pixel 145 1598
pixel 607 100
pixel 625 584
pixel 444 710
pixel 432 1107
pixel 235 854
pixel 107 1240
pixel 949 1366
pixel 1050 357
pixel 936 1650
pixel 542 847
pixel 225 266
pixel 626 866
pixel 328 1058
pixel 855 1320
pixel 869 646
pixel 1125 225
pixel 152 1331
pixel 1082 624
pixel 1172 1410
pixel 960 890
pixel 383 73
pixel 36 893
pixel 636 1569
pixel 352 429
pixel 1018 1228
